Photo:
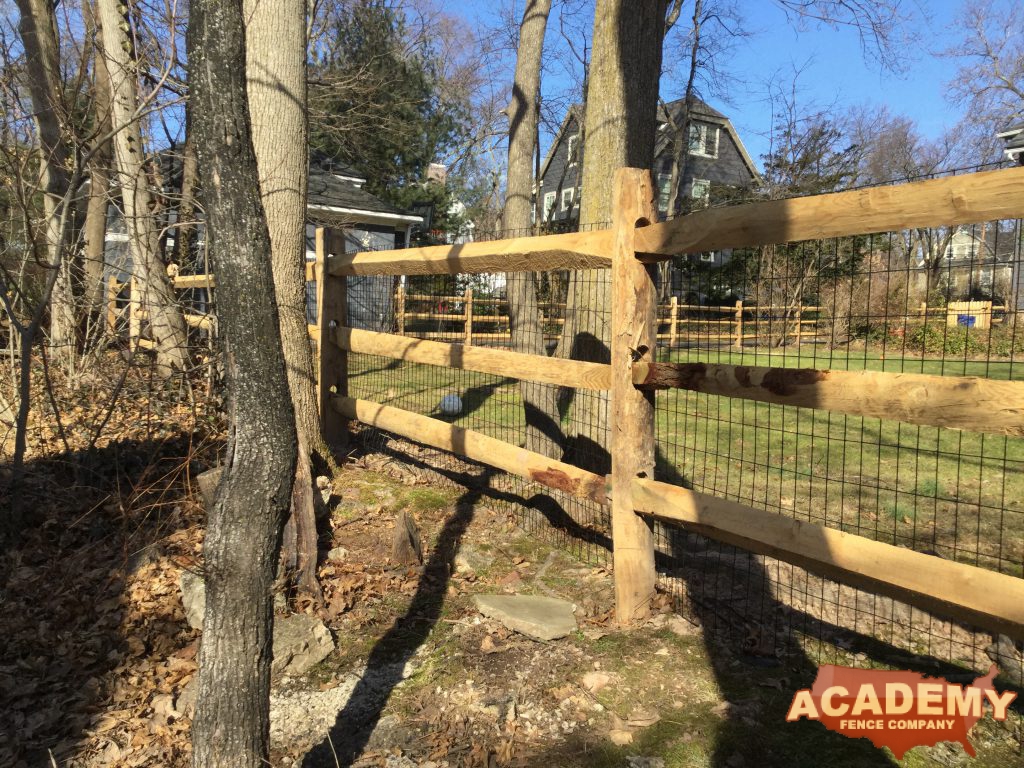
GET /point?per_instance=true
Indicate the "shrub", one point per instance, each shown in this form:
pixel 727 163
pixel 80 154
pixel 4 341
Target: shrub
pixel 941 340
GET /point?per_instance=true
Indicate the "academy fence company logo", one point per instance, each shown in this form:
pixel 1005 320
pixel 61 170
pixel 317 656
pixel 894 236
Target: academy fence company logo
pixel 898 710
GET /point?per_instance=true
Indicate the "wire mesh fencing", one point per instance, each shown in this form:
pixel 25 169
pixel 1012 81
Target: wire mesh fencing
pixel 940 302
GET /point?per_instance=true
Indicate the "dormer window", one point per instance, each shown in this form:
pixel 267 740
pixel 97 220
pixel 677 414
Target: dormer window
pixel 703 140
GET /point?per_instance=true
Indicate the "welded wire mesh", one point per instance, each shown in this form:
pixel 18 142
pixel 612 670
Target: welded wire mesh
pixel 942 301
pixel 541 313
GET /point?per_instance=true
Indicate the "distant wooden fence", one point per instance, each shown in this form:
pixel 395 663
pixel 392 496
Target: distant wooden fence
pixel 735 324
pixel 980 597
pixel 133 308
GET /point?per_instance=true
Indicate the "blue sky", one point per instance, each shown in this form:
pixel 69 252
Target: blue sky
pixel 833 67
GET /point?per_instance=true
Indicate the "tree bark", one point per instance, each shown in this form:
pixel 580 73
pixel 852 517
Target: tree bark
pixel 276 75
pixel 95 228
pixel 540 401
pixel 38 29
pixel 243 534
pixel 181 253
pixel 165 318
pixel 621 120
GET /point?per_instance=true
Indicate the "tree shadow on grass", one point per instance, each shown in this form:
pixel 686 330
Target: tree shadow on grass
pixel 752 642
pixel 384 667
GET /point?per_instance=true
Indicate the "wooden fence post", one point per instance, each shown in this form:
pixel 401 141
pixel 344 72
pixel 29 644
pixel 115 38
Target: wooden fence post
pixel 634 338
pixel 134 312
pixel 113 288
pixel 673 320
pixel 400 309
pixel 799 323
pixel 739 325
pixel 331 314
pixel 467 306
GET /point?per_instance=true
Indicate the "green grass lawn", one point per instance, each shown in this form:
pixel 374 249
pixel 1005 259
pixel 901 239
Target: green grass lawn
pixel 956 494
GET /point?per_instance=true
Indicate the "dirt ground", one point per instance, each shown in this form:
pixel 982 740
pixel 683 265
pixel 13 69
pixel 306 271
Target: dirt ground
pixel 98 660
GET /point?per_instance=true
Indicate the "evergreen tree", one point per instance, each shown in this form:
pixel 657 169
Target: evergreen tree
pixel 377 103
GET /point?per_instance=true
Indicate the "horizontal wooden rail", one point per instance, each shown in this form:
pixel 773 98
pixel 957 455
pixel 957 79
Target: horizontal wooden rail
pixel 500 362
pixel 205 322
pixel 970 403
pixel 967 199
pixel 181 282
pixel 477 446
pixel 574 250
pixel 984 598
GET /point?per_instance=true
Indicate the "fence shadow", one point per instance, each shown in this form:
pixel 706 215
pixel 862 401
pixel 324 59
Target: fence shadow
pixel 384 667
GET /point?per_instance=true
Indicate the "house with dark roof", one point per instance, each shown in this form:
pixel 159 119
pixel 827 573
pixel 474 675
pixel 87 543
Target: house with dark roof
pixel 336 198
pixel 1013 137
pixel 716 158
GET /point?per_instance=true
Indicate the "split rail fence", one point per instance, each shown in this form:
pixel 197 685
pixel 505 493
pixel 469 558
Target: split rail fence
pixel 733 324
pixel 630 249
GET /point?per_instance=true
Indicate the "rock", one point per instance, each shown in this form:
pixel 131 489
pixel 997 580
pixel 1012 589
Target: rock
pixel 470 559
pixel 323 484
pixel 620 738
pixel 185 704
pixel 193 597
pixel 542 618
pixel 405 546
pixel 642 718
pixel 595 681
pixel 208 482
pixel 300 642
pixel 636 761
pixel 677 625
pixel 337 555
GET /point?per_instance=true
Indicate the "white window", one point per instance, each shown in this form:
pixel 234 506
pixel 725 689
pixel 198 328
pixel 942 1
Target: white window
pixel 700 190
pixel 574 149
pixel 664 191
pixel 703 140
pixel 549 203
pixel 567 198
pixel 708 256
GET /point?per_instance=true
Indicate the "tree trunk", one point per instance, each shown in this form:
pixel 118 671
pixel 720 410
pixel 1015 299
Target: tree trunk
pixel 243 534
pixel 276 72
pixel 181 253
pixel 621 120
pixel 38 28
pixel 681 146
pixel 166 322
pixel 540 401
pixel 95 228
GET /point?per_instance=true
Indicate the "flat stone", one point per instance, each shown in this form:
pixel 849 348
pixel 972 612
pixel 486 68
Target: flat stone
pixel 300 642
pixel 193 597
pixel 337 555
pixel 542 618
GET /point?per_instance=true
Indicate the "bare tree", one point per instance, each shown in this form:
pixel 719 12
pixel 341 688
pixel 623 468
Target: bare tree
pixel 990 82
pixel 38 27
pixel 621 126
pixel 243 532
pixel 165 318
pixel 95 227
pixel 276 73
pixel 540 401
